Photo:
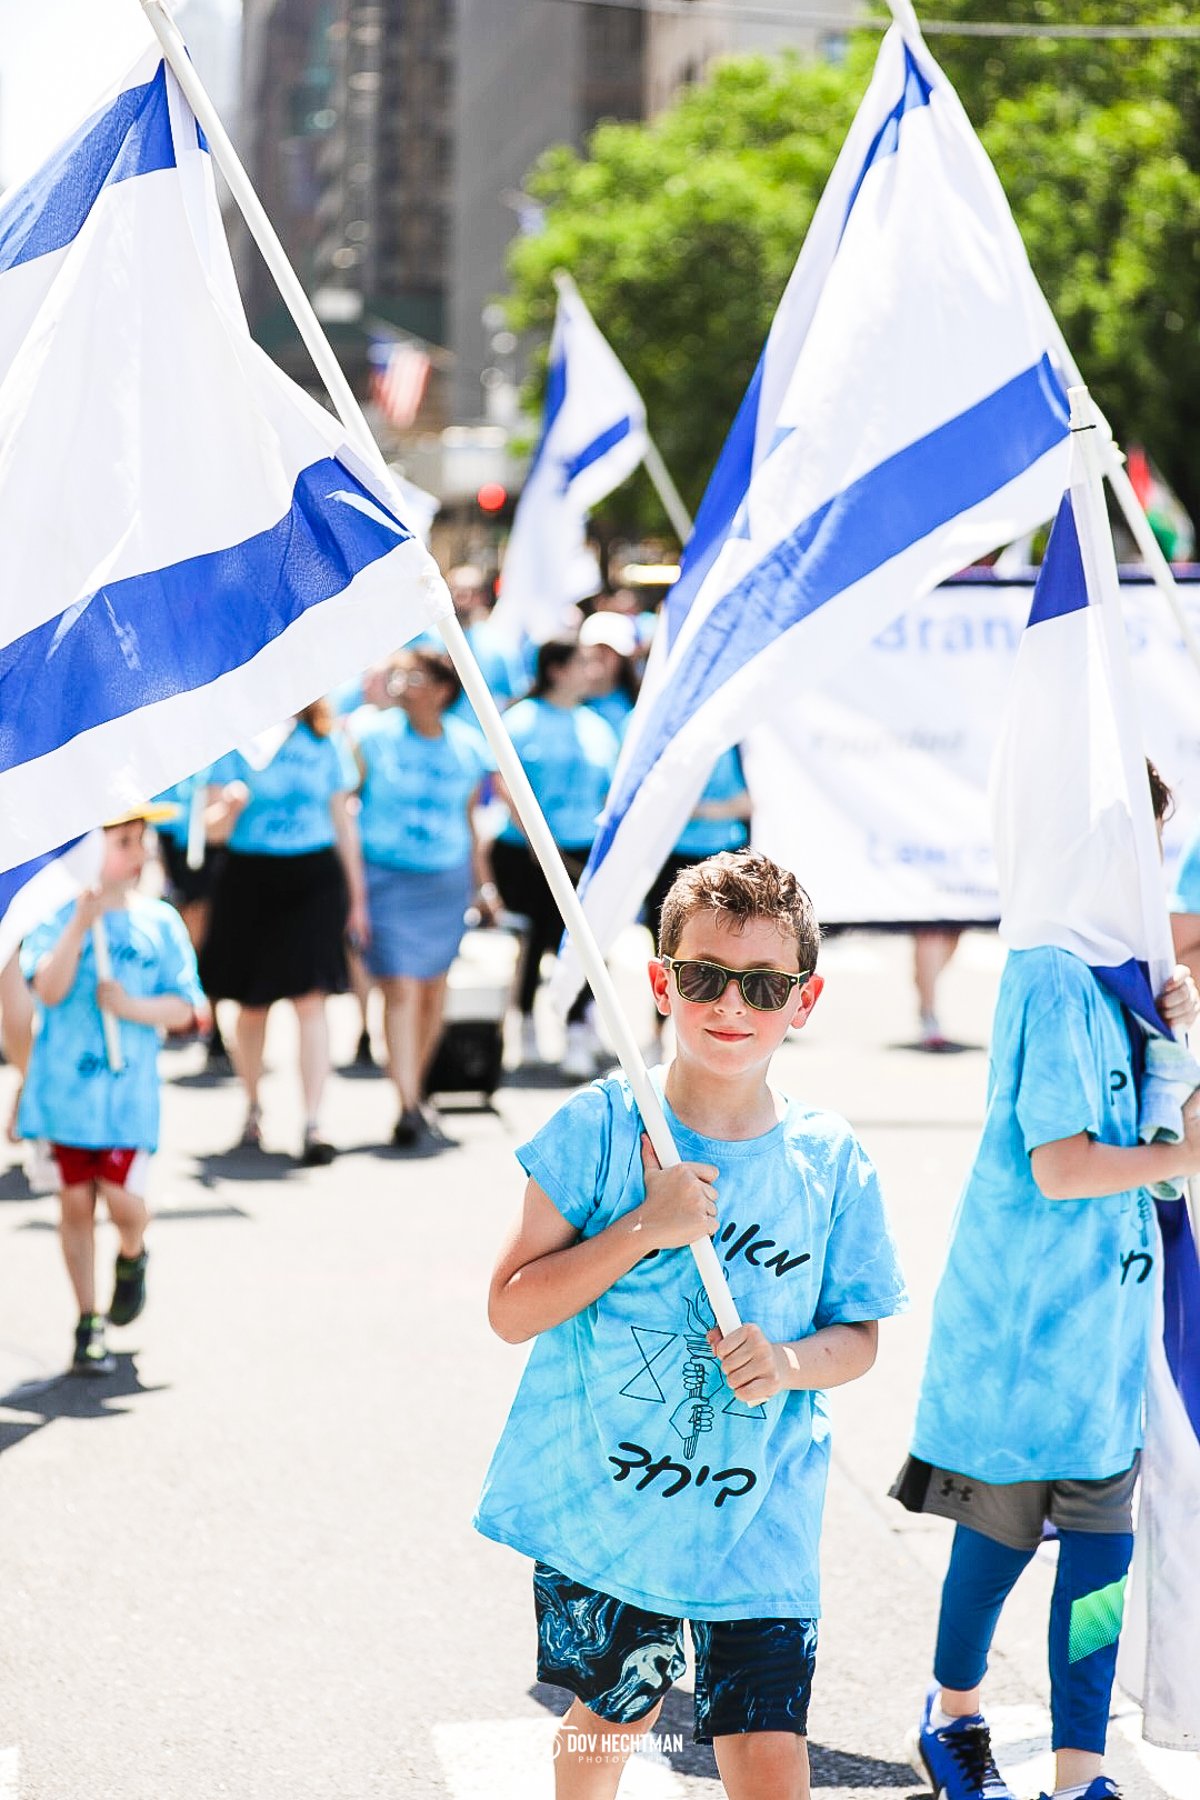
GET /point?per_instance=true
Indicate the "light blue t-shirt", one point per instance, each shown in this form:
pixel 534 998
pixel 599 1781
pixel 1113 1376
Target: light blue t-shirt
pixel 1186 896
pixel 705 837
pixel 416 792
pixel 1041 1323
pixel 626 1462
pixel 615 709
pixel 289 812
pixel 569 755
pixel 71 1096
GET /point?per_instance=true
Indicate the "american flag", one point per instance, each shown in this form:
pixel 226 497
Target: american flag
pixel 399 373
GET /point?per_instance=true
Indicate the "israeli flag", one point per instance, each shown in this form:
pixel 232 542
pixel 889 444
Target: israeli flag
pixel 192 551
pixel 593 437
pixel 907 414
pixel 1079 868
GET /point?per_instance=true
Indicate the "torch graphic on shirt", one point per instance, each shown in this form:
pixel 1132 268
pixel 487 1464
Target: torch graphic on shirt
pixel 701 1376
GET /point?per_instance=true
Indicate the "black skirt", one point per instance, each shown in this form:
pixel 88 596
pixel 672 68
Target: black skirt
pixel 277 929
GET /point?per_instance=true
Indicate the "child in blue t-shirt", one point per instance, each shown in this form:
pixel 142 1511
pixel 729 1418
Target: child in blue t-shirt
pixel 656 1471
pixel 1031 1403
pixel 101 1123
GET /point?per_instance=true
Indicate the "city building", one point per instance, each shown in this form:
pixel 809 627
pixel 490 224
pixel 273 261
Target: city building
pixel 681 47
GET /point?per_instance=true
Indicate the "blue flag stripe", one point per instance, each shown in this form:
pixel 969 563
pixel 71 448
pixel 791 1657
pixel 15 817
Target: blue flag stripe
pixel 599 446
pixel 173 630
pixel 1130 983
pixel 556 394
pixel 893 506
pixel 132 137
pixel 13 880
pixel 724 494
pixel 915 93
pixel 1181 1304
pixel 1061 583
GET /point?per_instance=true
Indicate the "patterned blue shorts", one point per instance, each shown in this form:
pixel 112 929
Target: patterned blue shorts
pixel 751 1674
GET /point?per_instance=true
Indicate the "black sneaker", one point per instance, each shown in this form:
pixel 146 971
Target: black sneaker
pixel 316 1153
pixel 129 1289
pixel 362 1052
pixel 407 1129
pixel 92 1355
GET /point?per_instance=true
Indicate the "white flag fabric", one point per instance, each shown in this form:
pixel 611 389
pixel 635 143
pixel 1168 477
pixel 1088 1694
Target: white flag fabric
pixel 907 414
pixel 192 550
pixel 1077 855
pixel 34 890
pixel 1079 868
pixel 593 436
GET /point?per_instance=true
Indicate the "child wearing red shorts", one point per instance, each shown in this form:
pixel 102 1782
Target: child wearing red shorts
pixel 102 1123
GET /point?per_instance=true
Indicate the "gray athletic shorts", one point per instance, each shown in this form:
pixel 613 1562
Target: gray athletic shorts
pixel 1015 1512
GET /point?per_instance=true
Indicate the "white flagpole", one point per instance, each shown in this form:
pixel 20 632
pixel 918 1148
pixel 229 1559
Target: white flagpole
pixel 196 833
pixel 668 493
pixel 112 1029
pixel 477 690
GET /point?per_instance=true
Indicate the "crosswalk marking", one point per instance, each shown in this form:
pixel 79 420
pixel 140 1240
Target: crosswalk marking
pixel 509 1759
pixel 1021 1746
pixel 10 1774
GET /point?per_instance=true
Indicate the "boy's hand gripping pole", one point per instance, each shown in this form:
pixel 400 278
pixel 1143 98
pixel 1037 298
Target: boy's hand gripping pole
pixel 478 693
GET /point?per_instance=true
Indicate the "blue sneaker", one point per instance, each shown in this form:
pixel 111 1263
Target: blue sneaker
pixel 958 1758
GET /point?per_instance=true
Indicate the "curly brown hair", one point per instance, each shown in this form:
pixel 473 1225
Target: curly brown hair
pixel 740 885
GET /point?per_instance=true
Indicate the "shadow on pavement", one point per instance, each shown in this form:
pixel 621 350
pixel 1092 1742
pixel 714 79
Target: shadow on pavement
pixel 14 1184
pixel 539 1075
pixel 943 1047
pixel 246 1165
pixel 71 1397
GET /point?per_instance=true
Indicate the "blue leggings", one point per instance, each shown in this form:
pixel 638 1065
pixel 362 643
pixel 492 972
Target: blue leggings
pixel 1085 1623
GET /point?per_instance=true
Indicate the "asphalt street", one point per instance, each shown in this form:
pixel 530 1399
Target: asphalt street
pixel 244 1564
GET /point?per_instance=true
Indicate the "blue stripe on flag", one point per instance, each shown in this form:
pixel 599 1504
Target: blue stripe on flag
pixel 915 93
pixel 1061 583
pixel 1181 1304
pixel 890 508
pixel 599 446
pixel 132 137
pixel 556 394
pixel 176 629
pixel 13 880
pixel 724 494
pixel 1130 982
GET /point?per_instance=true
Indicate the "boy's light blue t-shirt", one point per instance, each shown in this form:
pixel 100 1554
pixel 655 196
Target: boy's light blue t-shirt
pixel 1041 1323
pixel 705 837
pixel 71 1096
pixel 289 812
pixel 569 755
pixel 626 1462
pixel 417 790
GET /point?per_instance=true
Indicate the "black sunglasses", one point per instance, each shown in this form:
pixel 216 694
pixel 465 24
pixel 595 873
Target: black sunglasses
pixel 765 990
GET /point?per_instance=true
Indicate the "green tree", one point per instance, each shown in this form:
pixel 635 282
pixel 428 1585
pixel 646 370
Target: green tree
pixel 681 234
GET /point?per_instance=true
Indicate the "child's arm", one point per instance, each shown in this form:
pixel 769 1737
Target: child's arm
pixel 547 1273
pixel 54 976
pixel 756 1369
pixel 170 1012
pixel 1080 1168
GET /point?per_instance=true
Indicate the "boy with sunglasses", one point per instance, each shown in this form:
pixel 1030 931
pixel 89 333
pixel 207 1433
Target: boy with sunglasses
pixel 656 1471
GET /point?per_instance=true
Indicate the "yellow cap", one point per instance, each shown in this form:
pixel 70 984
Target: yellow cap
pixel 151 812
